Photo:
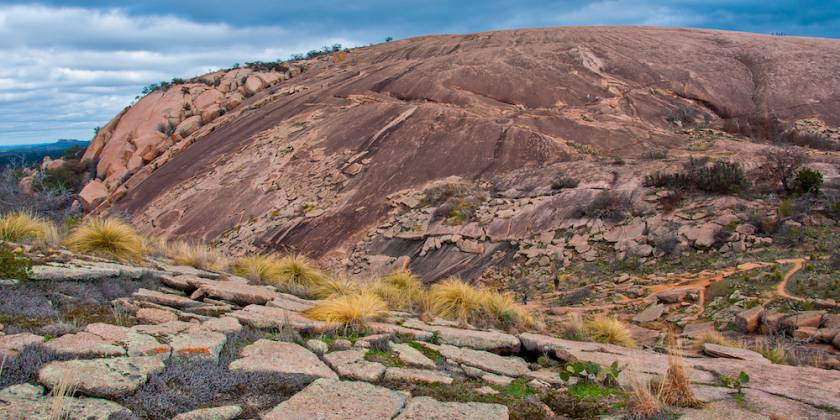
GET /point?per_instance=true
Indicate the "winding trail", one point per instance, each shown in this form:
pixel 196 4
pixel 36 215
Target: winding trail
pixel 781 288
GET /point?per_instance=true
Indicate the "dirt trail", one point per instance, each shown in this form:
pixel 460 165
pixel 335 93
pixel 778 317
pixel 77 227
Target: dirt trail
pixel 781 289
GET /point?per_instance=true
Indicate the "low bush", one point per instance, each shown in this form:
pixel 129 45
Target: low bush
pixel 330 287
pixel 107 237
pixel 808 181
pixel 57 180
pixel 564 182
pixel 607 205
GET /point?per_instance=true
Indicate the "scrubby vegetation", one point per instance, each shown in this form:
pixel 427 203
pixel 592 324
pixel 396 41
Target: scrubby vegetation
pixel 350 311
pixel 107 237
pixel 197 255
pixel 607 205
pixel 13 264
pixel 402 291
pixel 23 227
pixel 604 329
pixel 769 129
pixel 455 299
pixel 719 177
pixel 454 202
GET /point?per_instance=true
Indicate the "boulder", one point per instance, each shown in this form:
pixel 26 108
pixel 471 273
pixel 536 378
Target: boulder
pixel 12 344
pixel 747 321
pixel 291 303
pixel 135 343
pixel 188 126
pixel 317 346
pixel 111 378
pixel 481 340
pixel 253 84
pixel 651 313
pixel 288 361
pixel 677 295
pixel 802 319
pixel 26 401
pixel 25 185
pixel 165 299
pixel 379 327
pixel 93 194
pixel 402 375
pixel 428 408
pixel 228 412
pixel 225 325
pixel 330 399
pixel 351 364
pixel 807 334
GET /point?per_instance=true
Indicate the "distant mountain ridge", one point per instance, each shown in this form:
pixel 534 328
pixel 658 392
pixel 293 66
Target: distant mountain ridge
pixel 27 154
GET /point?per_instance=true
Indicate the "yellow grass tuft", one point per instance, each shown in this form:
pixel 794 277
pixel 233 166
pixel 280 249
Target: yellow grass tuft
pixel 199 256
pixel 257 268
pixel 609 330
pixel 330 287
pixel 110 238
pixel 349 310
pixel 675 388
pixel 642 402
pixel 23 226
pixel 455 299
pixel 401 290
pixel 715 337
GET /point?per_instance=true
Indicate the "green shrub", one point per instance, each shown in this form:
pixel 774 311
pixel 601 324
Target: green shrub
pixel 564 182
pixel 721 177
pixel 73 152
pixel 57 180
pixel 809 180
pixel 607 205
pixel 13 264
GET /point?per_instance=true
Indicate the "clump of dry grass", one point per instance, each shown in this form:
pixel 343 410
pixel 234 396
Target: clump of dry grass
pixel 257 268
pixel 23 226
pixel 349 310
pixel 574 328
pixel 107 237
pixel 675 388
pixel 642 402
pixel 715 337
pixel 60 395
pixel 455 299
pixel 330 287
pixel 401 290
pixel 776 354
pixel 196 255
pixel 604 329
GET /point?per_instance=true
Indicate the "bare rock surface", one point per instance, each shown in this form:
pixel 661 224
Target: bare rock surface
pixel 111 378
pixel 198 342
pixel 330 399
pixel 26 401
pixel 287 360
pixel 480 340
pixel 509 366
pixel 716 350
pixel 85 270
pixel 228 412
pixel 84 345
pixel 10 345
pixel 351 364
pixel 428 408
pixel 402 375
pixel 412 357
pixel 259 316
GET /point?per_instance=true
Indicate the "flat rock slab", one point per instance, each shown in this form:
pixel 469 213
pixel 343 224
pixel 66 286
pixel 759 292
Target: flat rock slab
pixel 331 399
pixel 79 270
pixel 716 350
pixel 259 316
pixel 291 303
pixel 486 361
pixel 351 364
pixel 479 340
pixel 11 345
pixel 26 401
pixel 288 360
pixel 224 325
pixel 428 408
pixel 165 329
pixel 412 357
pixel 233 291
pixel 198 342
pixel 651 313
pixel 135 343
pixel 228 412
pixel 165 299
pixel 110 378
pixel 84 345
pixel 155 316
pixel 384 328
pixel 417 375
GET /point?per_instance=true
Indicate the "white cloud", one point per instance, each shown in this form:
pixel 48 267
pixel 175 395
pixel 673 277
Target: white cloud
pixel 66 70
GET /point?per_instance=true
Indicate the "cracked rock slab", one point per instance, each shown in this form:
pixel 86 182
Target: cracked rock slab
pixel 287 360
pixel 489 362
pixel 26 401
pixel 479 340
pixel 351 364
pixel 417 375
pixel 412 357
pixel 83 345
pixel 198 342
pixel 429 408
pixel 110 378
pixel 259 316
pixel 331 399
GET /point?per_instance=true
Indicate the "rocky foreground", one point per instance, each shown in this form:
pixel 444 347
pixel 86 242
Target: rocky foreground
pixel 190 344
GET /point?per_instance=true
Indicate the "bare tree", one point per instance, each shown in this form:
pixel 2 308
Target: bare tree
pixel 782 163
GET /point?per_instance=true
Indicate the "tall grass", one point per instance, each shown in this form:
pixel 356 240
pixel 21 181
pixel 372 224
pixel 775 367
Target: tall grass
pixel 197 255
pixel 675 388
pixel 293 274
pixel 107 237
pixel 401 290
pixel 23 226
pixel 455 299
pixel 349 310
pixel 257 268
pixel 609 330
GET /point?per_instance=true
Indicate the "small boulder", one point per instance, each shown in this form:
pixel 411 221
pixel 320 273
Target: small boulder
pixel 747 321
pixel 317 346
pixel 93 194
pixel 110 378
pixel 802 319
pixel 651 313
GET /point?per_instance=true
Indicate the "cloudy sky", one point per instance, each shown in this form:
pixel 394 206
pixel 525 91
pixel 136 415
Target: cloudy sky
pixel 69 66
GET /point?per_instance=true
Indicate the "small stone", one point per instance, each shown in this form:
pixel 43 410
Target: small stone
pixel 486 390
pixel 342 344
pixel 224 325
pixel 198 342
pixel 317 346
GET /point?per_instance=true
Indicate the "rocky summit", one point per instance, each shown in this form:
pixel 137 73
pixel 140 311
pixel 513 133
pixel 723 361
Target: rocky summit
pixel 592 222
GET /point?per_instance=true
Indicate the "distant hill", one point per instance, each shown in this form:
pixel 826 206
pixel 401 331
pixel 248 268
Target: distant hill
pixel 30 154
